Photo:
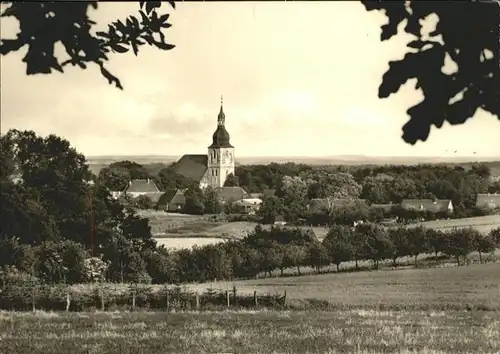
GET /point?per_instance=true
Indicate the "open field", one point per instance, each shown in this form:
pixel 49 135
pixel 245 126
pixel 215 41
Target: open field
pixel 184 231
pixel 475 286
pixel 482 223
pixel 437 289
pixel 356 331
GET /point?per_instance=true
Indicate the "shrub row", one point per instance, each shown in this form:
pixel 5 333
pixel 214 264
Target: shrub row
pixel 27 297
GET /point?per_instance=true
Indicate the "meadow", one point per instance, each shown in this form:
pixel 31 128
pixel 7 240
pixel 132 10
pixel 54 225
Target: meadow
pixel 446 288
pixel 435 310
pixel 354 331
pixel 184 231
pixel 483 224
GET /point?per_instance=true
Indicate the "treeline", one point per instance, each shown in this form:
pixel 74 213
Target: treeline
pixel 56 225
pixel 289 188
pixel 261 252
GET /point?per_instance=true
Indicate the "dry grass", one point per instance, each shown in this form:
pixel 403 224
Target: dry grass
pixel 356 331
pixel 476 286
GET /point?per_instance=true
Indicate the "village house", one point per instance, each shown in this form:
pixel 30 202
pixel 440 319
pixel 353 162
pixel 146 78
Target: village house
pixel 247 205
pixel 488 201
pixel 385 207
pixel 279 221
pixel 140 187
pixel 431 205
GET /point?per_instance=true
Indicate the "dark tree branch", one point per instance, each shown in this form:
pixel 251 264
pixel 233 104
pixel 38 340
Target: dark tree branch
pixel 468 29
pixel 44 24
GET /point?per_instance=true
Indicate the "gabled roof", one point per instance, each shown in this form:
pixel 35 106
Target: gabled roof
pixel 426 204
pixel 249 201
pixel 383 206
pixel 178 198
pixel 231 194
pixel 488 200
pixel 192 167
pixel 142 186
pixel 155 197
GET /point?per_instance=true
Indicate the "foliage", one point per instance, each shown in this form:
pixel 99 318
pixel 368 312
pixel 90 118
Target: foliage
pixel 451 97
pixel 231 181
pixel 42 25
pixel 338 244
pixel 95 270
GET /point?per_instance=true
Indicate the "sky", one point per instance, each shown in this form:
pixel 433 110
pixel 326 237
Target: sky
pixel 298 79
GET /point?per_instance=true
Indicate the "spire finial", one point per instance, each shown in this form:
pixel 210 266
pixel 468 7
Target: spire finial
pixel 221 117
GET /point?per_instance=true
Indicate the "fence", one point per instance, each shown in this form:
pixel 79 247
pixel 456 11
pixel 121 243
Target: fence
pixel 65 298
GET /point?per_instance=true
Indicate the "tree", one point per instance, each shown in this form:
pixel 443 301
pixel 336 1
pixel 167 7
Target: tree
pixel 460 243
pixel 400 243
pixel 211 201
pixel 114 178
pixel 294 256
pixel 270 208
pixel 42 25
pixel 194 201
pixel 293 192
pixel 453 97
pixel 328 184
pixel 24 217
pixel 377 245
pixel 495 235
pixel 317 256
pixel 484 244
pixel 272 258
pixel 417 241
pixel 231 181
pixel 437 241
pixel 338 244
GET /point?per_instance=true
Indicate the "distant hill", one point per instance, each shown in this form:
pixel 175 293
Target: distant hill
pixel 98 162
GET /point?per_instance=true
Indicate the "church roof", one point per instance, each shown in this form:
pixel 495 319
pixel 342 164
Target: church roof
pixel 220 138
pixel 142 186
pixel 192 167
pixel 231 194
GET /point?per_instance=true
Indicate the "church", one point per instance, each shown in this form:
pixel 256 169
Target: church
pixel 209 170
pixel 213 168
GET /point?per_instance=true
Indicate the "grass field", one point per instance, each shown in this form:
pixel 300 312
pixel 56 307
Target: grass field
pixel 482 223
pixel 439 310
pixel 475 286
pixel 184 231
pixel 355 331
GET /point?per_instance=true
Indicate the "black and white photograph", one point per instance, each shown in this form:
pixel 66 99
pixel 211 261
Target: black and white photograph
pixel 250 177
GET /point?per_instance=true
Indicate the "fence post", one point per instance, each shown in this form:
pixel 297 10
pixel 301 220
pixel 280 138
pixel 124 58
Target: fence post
pixel 133 300
pixel 227 298
pixel 234 295
pixel 284 298
pixel 197 297
pixel 68 302
pixel 255 300
pixel 168 300
pixel 33 298
pixel 102 300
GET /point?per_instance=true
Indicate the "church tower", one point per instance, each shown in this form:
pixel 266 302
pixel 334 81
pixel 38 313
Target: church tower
pixel 220 153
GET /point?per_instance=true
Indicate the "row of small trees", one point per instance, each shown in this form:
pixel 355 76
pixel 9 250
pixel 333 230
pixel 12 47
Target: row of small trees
pixel 265 251
pixel 261 252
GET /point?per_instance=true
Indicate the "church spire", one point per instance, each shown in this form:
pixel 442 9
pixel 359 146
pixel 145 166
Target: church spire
pixel 221 118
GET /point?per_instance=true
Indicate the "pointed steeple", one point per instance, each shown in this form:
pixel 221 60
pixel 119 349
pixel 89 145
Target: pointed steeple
pixel 221 118
pixel 220 138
